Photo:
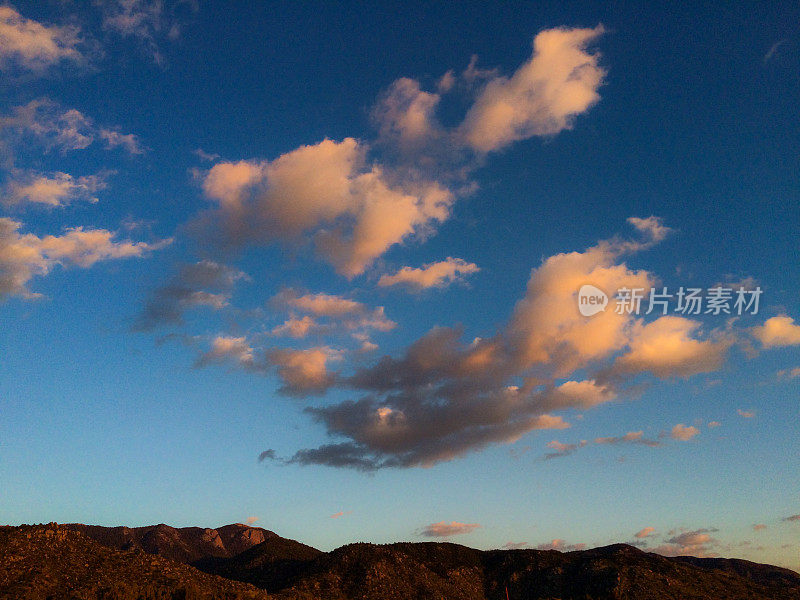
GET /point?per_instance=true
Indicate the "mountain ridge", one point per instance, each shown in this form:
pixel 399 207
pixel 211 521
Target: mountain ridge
pixel 238 561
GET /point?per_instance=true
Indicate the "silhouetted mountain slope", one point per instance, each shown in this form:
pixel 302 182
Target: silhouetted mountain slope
pixel 289 570
pixel 185 544
pixel 44 562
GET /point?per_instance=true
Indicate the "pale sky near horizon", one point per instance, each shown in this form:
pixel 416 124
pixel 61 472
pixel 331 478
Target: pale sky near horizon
pixel 316 268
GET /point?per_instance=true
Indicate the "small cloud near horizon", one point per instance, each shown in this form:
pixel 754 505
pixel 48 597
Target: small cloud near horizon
pixel 445 529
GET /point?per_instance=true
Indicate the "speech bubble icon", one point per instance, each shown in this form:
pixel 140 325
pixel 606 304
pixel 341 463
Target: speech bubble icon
pixel 591 300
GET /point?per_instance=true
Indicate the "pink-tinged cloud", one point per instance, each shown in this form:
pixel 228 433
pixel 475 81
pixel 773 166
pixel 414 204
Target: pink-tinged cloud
pixel 632 437
pixel 444 529
pixel 31 45
pixel 689 543
pixel 340 514
pixel 561 546
pixel 668 347
pixel 759 527
pixel 714 424
pixel 683 433
pixel 24 256
pixel 746 414
pixel 251 520
pixel 777 331
pixel 789 373
pixel 645 533
pixel 559 82
pixel 52 189
pixel 515 545
pixel 438 275
pixel 327 192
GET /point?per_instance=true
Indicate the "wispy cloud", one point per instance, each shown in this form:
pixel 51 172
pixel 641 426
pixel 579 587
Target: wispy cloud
pixel 438 275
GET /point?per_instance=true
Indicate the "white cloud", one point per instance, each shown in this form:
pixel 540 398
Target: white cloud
pixel 438 274
pixel 543 96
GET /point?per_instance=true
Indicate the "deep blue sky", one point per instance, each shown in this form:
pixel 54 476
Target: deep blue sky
pixel 104 420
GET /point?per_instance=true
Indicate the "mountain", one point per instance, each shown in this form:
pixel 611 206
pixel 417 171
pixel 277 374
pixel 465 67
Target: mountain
pixel 185 544
pixel 430 570
pixel 53 562
pixel 82 562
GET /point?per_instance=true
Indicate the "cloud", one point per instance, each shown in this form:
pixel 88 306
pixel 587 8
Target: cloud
pixel 562 449
pixel 53 189
pixel 341 513
pixel 24 256
pixel 444 529
pixel 146 21
pixel 747 414
pixel 689 543
pixel 559 82
pixel 759 527
pixel 205 283
pixel 303 372
pixel 224 348
pixel 714 423
pixel 438 274
pixel 683 433
pixel 580 394
pixel 632 437
pixel 45 122
pixel 28 44
pixel 793 373
pixel 652 227
pixel 792 518
pixel 774 49
pixel 405 114
pixel 561 546
pixel 444 397
pixel 328 313
pixel 777 331
pixel 645 533
pixel 354 212
pixel 667 347
pixel 296 328
pixel 115 139
pixel 515 545
pixel 251 520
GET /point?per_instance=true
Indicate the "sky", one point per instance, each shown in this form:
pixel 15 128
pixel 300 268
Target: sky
pixel 384 272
